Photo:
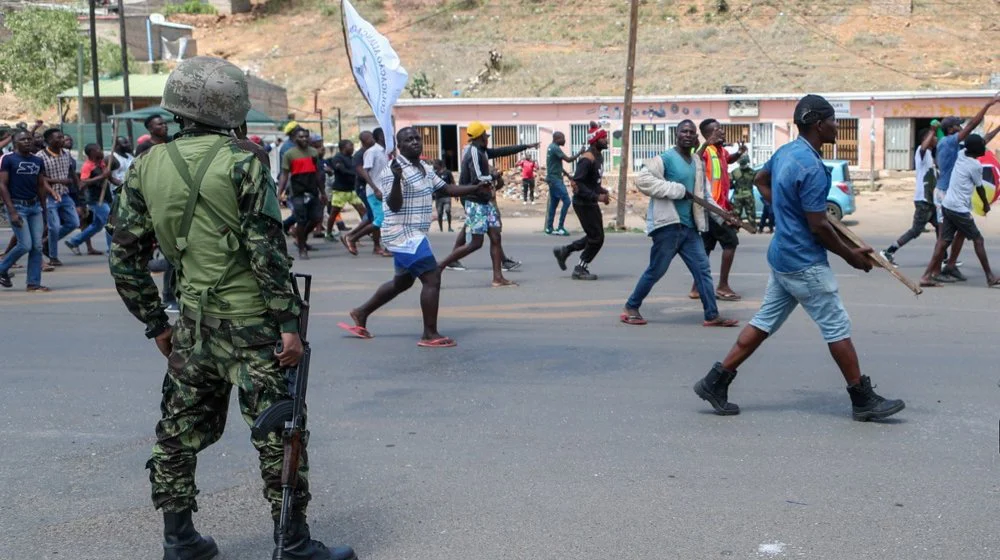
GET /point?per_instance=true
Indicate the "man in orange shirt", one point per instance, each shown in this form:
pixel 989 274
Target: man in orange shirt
pixel 716 158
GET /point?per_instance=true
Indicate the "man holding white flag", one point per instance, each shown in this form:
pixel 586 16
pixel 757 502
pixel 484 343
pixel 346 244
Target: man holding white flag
pixel 376 69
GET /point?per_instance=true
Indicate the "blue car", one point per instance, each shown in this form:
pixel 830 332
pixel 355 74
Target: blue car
pixel 840 199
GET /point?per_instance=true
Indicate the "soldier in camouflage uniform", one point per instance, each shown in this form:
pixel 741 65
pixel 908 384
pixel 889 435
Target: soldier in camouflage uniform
pixel 221 229
pixel 744 205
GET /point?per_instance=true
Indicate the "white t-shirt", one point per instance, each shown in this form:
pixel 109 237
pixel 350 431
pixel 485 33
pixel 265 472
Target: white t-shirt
pixel 124 162
pixel 965 177
pixel 374 163
pixel 923 165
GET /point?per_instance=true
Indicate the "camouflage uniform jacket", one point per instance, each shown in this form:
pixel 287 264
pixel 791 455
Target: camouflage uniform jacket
pixel 261 244
pixel 742 180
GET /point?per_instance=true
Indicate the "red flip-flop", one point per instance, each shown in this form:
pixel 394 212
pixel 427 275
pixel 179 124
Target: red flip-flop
pixel 443 342
pixel 356 330
pixel 631 319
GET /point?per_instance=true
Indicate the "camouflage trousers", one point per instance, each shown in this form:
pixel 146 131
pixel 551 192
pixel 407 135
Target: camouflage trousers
pixel 234 353
pixel 745 208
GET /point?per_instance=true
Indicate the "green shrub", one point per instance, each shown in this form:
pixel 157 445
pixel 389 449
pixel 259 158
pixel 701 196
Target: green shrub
pixel 189 7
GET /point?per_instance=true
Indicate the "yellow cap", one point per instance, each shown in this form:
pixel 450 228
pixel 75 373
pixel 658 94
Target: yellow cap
pixel 290 127
pixel 476 129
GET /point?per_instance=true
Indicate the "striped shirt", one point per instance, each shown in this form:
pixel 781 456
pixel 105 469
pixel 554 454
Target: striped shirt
pixel 414 218
pixel 57 167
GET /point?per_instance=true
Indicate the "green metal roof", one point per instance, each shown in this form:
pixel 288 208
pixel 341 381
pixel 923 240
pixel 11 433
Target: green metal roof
pixel 140 85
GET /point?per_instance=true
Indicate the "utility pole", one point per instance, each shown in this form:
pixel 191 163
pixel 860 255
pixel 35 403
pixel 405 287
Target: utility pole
pixel 98 132
pixel 79 99
pixel 124 45
pixel 633 28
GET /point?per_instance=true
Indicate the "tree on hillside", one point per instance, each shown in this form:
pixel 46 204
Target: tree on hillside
pixel 39 59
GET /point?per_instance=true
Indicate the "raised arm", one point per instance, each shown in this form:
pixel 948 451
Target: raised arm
pixel 978 119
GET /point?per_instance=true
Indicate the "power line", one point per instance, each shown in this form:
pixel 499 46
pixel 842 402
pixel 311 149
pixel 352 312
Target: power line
pixel 764 52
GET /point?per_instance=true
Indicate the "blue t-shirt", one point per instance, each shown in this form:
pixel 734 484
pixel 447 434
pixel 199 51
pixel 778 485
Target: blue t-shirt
pixel 947 153
pixel 800 183
pixel 676 169
pixel 22 175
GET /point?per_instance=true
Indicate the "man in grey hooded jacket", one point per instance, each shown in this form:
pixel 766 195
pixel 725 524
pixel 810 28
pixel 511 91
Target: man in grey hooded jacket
pixel 674 223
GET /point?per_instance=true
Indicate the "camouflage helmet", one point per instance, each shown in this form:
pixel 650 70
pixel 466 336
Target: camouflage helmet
pixel 209 91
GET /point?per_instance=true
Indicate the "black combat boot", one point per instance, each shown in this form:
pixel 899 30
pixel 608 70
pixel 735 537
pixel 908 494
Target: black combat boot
pixel 868 405
pixel 561 256
pixel 300 546
pixel 714 388
pixel 182 542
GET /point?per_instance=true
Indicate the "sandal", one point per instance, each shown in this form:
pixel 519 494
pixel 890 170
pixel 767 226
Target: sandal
pixel 38 288
pixel 694 295
pixel 722 296
pixel 48 268
pixel 443 342
pixel 720 322
pixel 632 318
pixel 350 246
pixel 95 253
pixel 505 284
pixel 356 330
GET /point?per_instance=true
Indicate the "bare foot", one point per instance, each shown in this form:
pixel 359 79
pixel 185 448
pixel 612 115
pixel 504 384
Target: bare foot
pixel 504 283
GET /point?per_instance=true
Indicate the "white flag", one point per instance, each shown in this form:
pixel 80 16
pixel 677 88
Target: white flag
pixel 376 69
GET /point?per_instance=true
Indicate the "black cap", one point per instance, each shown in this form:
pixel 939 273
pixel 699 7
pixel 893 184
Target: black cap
pixel 950 122
pixel 812 109
pixel 975 146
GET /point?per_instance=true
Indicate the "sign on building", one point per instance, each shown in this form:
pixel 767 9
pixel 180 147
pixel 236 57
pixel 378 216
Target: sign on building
pixel 842 109
pixel 744 108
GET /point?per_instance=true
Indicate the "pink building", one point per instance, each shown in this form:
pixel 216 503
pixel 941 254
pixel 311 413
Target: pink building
pixel 879 127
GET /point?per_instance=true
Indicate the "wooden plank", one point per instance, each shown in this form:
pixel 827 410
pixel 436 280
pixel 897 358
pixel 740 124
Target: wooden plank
pixel 750 227
pixel 854 240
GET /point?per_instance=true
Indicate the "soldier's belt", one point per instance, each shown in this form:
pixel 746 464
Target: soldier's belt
pixel 206 320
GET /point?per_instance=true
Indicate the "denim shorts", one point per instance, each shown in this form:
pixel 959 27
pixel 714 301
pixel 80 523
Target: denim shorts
pixel 816 289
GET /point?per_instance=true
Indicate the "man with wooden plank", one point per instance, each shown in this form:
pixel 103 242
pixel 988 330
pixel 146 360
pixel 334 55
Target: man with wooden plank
pixel 796 182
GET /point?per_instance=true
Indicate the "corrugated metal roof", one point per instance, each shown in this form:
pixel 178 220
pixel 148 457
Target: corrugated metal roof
pixel 833 96
pixel 140 85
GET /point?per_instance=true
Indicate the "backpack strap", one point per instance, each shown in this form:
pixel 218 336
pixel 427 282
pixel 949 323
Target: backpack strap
pixel 193 184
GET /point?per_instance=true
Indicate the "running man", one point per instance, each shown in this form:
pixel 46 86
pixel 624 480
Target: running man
pixel 923 195
pixel 481 215
pixel 587 193
pixel 796 182
pixel 409 186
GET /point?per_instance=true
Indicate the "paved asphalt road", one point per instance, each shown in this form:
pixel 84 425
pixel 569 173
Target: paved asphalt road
pixel 551 432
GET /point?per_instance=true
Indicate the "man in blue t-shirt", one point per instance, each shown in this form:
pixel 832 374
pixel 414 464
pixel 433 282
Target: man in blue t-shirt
pixel 947 153
pixel 796 183
pixel 21 188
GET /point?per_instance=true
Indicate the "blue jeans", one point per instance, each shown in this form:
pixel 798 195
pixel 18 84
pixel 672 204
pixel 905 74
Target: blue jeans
pixel 680 240
pixel 62 220
pixel 29 241
pixel 557 193
pixel 101 212
pixel 816 289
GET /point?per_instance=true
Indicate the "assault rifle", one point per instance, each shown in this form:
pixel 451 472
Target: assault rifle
pixel 288 416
